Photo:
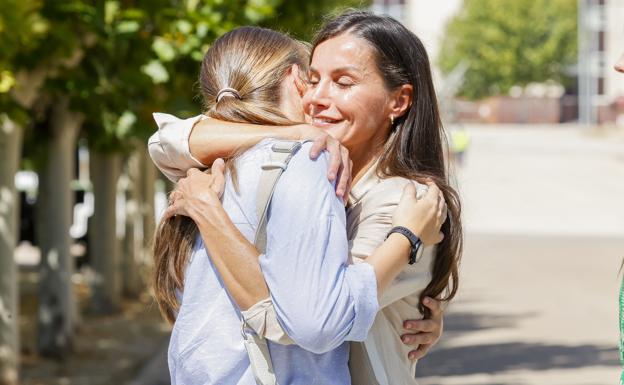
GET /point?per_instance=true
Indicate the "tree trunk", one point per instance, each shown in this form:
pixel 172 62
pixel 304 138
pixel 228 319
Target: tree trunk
pixel 147 182
pixel 57 306
pixel 11 147
pixel 133 258
pixel 104 243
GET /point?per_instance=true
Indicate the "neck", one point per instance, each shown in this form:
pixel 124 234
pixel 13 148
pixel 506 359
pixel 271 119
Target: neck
pixel 363 158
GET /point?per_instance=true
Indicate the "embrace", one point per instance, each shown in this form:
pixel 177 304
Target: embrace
pixel 324 247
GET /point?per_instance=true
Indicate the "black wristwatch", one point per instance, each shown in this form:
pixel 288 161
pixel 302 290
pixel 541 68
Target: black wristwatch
pixel 417 249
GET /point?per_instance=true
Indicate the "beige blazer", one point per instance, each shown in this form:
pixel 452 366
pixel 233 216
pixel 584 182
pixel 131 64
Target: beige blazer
pixel 369 218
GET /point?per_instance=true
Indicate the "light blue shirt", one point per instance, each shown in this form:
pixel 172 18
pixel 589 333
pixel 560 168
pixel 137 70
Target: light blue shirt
pixel 321 301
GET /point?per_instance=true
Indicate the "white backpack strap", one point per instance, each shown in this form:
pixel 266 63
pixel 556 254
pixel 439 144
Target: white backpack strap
pixel 281 153
pixel 257 349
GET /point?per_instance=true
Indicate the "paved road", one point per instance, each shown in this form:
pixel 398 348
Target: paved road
pixel 545 220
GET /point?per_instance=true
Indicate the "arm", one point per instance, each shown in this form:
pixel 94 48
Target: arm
pixel 318 299
pixel 211 138
pixel 198 196
pixel 182 144
pixel 236 258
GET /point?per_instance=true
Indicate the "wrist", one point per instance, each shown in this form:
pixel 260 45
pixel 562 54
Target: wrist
pixel 414 241
pixel 305 132
pixel 400 241
pixel 207 215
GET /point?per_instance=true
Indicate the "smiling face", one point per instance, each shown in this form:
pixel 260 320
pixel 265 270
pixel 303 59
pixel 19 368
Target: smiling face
pixel 347 96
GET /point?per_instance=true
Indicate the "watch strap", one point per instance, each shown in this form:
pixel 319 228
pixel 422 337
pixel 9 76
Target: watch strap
pixel 414 241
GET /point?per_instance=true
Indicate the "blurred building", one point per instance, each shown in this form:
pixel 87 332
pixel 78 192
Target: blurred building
pixel 597 98
pixel 426 18
pixel 601 41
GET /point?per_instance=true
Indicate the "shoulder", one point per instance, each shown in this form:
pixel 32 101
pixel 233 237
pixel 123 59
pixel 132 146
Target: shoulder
pixel 389 190
pixel 302 166
pixel 305 179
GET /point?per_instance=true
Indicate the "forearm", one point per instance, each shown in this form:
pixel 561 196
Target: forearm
pixel 389 259
pixel 211 138
pixel 234 256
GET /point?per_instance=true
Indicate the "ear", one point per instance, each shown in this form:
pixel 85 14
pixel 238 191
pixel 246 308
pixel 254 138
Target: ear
pixel 401 100
pixel 298 79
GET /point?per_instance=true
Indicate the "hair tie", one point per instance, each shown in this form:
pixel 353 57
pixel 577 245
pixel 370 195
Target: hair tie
pixel 225 91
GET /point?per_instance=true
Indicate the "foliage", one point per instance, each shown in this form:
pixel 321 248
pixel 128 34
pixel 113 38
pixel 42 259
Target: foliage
pixel 302 18
pixel 117 61
pixel 21 28
pixel 508 43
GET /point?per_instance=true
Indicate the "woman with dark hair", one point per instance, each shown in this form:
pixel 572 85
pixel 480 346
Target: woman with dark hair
pixel 370 87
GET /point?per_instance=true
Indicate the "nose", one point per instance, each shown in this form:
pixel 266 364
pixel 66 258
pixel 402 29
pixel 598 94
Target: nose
pixel 619 66
pixel 319 96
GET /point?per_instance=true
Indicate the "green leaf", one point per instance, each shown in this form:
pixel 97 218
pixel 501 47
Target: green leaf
pixel 129 26
pixel 111 8
pixel 155 70
pixel 7 81
pixel 125 123
pixel 163 49
pixel 184 26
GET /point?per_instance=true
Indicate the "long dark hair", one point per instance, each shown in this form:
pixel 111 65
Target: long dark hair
pixel 416 150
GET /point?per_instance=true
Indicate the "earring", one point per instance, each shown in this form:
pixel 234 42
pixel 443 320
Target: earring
pixel 391 120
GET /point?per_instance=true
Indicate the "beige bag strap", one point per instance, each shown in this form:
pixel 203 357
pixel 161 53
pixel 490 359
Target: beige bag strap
pixel 257 349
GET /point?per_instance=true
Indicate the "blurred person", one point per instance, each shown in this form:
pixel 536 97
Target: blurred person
pixel 460 140
pixel 389 146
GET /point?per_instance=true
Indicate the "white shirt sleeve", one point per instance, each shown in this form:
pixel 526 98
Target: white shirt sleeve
pixel 169 146
pixel 319 301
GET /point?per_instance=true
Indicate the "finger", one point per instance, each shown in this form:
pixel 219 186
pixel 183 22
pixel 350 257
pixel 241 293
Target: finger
pixel 418 339
pixel 440 214
pixel 172 210
pixel 191 171
pixel 348 189
pixel 345 198
pixel 435 307
pixel 218 175
pixel 319 144
pixel 409 191
pixel 432 192
pixel 345 172
pixel 335 160
pixel 419 353
pixel 420 326
pixel 444 212
pixel 174 195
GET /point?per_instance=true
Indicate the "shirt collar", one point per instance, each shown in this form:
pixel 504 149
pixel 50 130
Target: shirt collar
pixel 365 184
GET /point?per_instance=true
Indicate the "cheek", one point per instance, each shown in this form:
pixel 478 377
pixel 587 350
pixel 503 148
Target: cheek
pixel 368 112
pixel 306 100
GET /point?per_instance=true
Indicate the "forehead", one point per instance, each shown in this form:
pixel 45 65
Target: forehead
pixel 343 51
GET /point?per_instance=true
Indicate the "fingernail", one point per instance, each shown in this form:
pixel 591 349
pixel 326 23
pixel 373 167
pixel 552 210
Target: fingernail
pixel 332 176
pixel 426 301
pixel 405 339
pixel 412 356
